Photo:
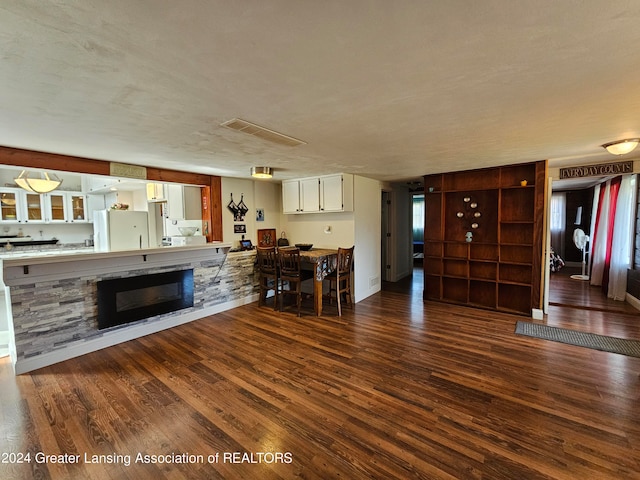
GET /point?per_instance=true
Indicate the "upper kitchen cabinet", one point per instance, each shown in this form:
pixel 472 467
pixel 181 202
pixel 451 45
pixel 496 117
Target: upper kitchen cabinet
pixel 155 192
pixel 183 202
pixel 328 193
pixel 65 207
pixel 18 206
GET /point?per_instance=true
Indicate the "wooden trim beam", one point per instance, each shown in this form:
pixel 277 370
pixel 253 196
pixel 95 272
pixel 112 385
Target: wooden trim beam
pixel 211 191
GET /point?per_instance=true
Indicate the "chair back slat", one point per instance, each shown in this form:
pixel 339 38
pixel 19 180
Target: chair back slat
pixel 267 259
pixel 289 261
pixel 345 260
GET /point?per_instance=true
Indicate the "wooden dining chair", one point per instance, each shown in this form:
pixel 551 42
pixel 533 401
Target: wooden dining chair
pixel 267 259
pixel 340 280
pixel 292 275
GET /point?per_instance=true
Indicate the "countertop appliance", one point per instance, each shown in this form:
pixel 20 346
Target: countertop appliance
pixel 120 230
pixel 182 240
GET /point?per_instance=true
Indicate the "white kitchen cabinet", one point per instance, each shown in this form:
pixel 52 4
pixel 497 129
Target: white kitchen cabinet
pixel 9 209
pixel 291 196
pixel 301 196
pixel 78 207
pixel 327 193
pixel 155 191
pixel 65 207
pixel 19 206
pixel 336 193
pixel 183 202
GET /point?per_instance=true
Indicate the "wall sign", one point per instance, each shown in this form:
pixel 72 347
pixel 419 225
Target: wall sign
pixel 127 171
pixel 618 168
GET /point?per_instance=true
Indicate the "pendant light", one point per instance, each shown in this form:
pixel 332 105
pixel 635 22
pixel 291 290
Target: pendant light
pixel 44 183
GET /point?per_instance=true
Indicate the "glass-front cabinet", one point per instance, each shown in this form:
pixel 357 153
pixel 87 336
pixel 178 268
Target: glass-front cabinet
pixel 33 211
pixel 65 207
pixel 8 206
pixel 78 207
pixel 56 207
pixel 19 206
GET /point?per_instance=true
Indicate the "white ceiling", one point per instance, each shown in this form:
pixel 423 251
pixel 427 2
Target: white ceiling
pixel 390 90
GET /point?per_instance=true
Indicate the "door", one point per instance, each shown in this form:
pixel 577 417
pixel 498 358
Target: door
pixel 34 211
pixel 385 246
pixel 9 206
pixel 310 195
pixel 78 208
pixel 56 207
pixel 290 196
pixel 331 188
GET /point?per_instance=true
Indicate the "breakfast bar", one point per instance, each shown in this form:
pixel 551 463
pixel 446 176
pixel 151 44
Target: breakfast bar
pixel 54 303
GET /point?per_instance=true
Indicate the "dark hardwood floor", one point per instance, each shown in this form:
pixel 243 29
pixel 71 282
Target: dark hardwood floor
pixel 394 389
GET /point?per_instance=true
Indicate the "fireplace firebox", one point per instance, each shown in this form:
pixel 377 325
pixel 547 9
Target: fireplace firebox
pixel 125 300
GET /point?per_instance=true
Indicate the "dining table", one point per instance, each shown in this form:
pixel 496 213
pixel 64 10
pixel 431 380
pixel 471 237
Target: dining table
pixel 323 261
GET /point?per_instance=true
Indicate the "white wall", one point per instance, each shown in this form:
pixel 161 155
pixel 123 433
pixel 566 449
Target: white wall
pixel 64 232
pixel 367 220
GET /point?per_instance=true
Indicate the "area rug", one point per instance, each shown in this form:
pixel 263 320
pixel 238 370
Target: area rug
pixel 581 339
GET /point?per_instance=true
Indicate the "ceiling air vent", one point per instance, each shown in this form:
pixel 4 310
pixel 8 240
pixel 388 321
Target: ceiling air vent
pixel 261 132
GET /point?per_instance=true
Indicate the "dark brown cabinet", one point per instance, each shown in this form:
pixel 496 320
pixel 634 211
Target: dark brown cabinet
pixel 501 266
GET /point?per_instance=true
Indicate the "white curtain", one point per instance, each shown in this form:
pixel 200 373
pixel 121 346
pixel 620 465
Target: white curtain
pixel 599 250
pixel 622 243
pixel 592 227
pixel 557 220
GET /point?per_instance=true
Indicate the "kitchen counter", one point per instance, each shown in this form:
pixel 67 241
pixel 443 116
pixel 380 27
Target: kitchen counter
pixel 51 300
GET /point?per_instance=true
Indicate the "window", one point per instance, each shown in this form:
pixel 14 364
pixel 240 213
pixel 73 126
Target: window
pixel 418 218
pixel 557 212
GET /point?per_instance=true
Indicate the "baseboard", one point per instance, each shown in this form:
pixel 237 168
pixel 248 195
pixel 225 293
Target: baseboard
pixel 633 301
pixel 537 314
pixel 110 339
pixel 4 344
pixel 573 264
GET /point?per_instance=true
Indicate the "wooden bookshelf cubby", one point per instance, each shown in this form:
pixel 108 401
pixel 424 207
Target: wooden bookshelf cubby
pixel 482 270
pixel 482 294
pixel 501 267
pixel 455 289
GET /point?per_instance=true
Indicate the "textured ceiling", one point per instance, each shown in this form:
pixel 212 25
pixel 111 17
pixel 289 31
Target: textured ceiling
pixel 388 90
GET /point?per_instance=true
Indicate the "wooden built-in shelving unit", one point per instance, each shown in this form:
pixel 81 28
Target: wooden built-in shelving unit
pixel 501 268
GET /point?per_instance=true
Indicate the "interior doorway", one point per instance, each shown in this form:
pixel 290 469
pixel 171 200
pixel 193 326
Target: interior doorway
pixel 385 237
pixel 574 216
pixel 417 228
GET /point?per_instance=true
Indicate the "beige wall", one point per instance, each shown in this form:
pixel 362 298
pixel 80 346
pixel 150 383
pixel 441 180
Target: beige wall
pixel 325 230
pixel 256 194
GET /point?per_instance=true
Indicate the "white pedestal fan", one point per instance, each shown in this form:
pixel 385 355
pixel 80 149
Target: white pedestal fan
pixel 580 239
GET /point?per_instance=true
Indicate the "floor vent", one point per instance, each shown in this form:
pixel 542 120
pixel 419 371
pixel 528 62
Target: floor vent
pixel 262 132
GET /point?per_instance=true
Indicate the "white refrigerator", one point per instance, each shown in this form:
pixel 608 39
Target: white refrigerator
pixel 120 230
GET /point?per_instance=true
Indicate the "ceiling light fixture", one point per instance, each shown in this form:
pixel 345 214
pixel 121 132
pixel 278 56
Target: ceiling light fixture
pixel 621 147
pixel 261 172
pixel 44 184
